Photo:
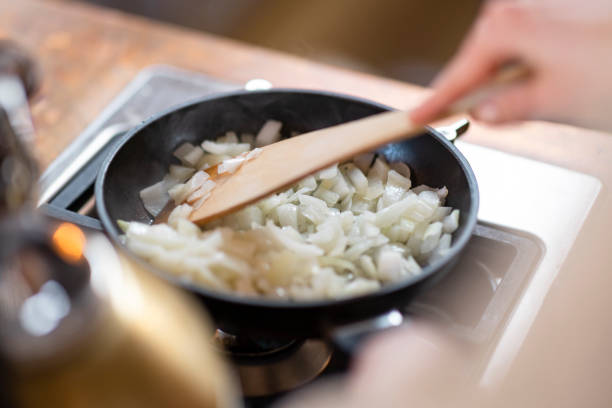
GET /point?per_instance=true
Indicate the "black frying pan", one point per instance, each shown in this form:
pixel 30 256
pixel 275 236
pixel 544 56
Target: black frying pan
pixel 143 157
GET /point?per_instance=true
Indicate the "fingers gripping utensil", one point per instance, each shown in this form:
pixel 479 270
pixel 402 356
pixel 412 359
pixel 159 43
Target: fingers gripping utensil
pixel 283 163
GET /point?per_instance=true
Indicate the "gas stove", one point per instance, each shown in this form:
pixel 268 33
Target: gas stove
pixel 529 217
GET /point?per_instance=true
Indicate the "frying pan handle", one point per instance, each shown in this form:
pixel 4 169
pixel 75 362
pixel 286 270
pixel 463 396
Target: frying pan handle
pixel 348 338
pixel 454 130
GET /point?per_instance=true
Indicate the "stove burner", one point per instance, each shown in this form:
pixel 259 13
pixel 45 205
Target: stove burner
pixel 271 366
pixel 246 346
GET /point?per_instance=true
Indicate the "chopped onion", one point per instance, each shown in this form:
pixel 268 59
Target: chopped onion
pixel 230 165
pixel 204 189
pixel 328 173
pixel 392 213
pixel 451 222
pixel 374 190
pixel 269 133
pixel 389 265
pixel 442 193
pixel 402 168
pixel 189 154
pixel 363 161
pixel 179 193
pixel 344 231
pixel 196 181
pixel 182 211
pixel 394 178
pixel 430 197
pixel 193 157
pixel 287 215
pixel 309 183
pixel 181 173
pixel 431 237
pixel 379 170
pixel 230 149
pixel 367 265
pixel 155 198
pixel 229 137
pixel 328 196
pixel 441 212
pixel 254 153
pixel 359 180
pixel 183 150
pixel 209 160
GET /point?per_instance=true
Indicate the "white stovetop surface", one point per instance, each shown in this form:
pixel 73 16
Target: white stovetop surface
pixel 548 201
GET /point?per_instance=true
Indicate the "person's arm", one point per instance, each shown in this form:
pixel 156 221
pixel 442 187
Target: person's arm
pixel 566 44
pixel 412 366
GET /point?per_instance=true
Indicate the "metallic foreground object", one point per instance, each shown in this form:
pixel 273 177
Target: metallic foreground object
pixel 112 336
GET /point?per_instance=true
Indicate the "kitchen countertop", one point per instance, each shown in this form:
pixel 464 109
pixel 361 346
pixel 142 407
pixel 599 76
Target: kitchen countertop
pixel 89 54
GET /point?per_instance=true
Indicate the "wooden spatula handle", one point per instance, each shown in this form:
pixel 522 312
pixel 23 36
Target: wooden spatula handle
pixel 344 141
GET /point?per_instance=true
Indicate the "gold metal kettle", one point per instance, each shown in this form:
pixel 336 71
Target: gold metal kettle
pixel 115 337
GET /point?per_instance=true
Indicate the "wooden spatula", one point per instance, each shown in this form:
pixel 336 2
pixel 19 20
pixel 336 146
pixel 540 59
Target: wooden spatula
pixel 283 163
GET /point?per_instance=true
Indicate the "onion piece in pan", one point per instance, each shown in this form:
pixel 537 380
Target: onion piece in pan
pixel 269 133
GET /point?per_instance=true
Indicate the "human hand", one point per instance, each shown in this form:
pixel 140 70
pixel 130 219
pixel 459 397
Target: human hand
pixel 567 46
pixel 416 365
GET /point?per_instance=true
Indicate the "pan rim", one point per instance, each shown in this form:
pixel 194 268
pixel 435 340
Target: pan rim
pixel 428 271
